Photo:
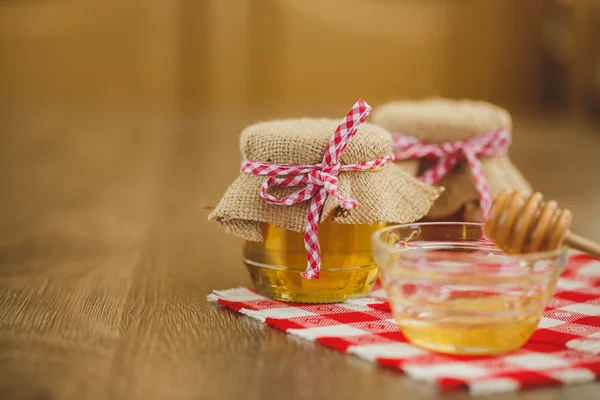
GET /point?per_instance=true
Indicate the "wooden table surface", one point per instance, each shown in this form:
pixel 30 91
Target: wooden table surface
pixel 106 258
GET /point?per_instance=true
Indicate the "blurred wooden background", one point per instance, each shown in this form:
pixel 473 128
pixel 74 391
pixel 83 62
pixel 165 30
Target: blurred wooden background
pixel 131 78
pixel 285 54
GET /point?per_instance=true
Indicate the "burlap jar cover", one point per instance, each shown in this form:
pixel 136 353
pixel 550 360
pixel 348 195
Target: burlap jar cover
pixel 448 124
pixel 383 192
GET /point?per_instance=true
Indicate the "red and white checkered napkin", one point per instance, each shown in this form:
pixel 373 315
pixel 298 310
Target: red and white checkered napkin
pixel 563 350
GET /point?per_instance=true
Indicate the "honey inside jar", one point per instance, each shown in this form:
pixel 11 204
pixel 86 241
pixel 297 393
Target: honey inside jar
pixel 347 268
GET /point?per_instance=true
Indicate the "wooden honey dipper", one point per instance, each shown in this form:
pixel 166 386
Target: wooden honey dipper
pixel 519 223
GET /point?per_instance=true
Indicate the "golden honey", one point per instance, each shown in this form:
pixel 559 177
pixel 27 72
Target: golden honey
pixel 473 325
pixel 347 267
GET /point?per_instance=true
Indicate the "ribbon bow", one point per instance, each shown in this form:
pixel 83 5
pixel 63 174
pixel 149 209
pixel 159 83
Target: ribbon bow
pixel 316 181
pixel 449 154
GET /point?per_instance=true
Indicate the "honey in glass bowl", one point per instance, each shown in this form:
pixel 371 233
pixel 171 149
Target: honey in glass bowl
pixel 452 291
pixel 347 267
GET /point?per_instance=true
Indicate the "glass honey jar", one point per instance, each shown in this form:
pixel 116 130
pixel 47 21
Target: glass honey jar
pixel 310 195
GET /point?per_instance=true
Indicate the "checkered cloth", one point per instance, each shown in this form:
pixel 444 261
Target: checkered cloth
pixel 563 350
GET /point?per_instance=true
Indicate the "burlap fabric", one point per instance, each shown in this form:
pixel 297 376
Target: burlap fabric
pixel 443 120
pixel 386 195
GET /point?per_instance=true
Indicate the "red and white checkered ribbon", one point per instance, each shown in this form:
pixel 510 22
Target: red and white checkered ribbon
pixel 316 181
pixel 491 143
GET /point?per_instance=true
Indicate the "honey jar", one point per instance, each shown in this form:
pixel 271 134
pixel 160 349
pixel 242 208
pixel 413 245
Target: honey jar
pixel 310 194
pixel 461 145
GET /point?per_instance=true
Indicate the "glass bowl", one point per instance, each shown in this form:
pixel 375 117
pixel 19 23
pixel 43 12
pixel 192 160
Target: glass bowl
pixel 453 291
